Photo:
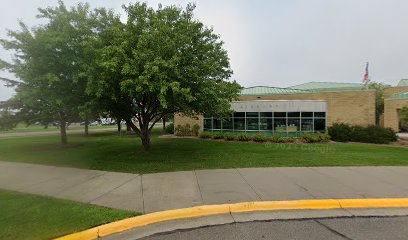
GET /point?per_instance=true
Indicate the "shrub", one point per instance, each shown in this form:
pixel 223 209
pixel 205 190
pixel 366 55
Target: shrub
pixel 205 135
pixel 371 134
pixel 359 134
pixel 177 130
pixel 340 132
pixel 217 135
pixel 277 139
pixel 229 136
pixel 290 139
pixel 390 134
pixel 315 138
pixel 244 137
pixel 195 130
pixel 259 138
pixel 187 129
pixel 183 130
pixel 169 128
pixel 324 137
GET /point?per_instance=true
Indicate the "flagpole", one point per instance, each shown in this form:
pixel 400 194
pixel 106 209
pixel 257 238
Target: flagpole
pixel 366 78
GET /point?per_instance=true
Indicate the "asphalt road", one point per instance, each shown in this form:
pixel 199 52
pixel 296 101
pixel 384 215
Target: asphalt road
pixel 356 228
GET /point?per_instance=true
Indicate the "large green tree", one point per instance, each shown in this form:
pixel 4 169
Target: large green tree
pixel 159 62
pixel 51 62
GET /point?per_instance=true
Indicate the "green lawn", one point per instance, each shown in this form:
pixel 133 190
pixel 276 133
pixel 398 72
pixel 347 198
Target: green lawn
pixel 37 128
pixel 108 151
pixel 25 216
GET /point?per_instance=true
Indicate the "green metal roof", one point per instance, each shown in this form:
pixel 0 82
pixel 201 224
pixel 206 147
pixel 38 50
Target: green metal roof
pixel 263 90
pixel 322 86
pixel 399 96
pixel 403 83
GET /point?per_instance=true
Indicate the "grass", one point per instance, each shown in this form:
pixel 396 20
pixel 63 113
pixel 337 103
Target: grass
pixel 26 216
pixel 38 128
pixel 110 152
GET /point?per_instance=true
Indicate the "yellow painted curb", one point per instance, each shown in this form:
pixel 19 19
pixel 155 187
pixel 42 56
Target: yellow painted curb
pixel 284 205
pixel 146 219
pixel 374 203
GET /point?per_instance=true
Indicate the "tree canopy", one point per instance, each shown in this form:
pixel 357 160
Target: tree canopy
pixel 51 61
pixel 159 62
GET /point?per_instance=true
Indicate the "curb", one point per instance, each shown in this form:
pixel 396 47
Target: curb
pixel 206 210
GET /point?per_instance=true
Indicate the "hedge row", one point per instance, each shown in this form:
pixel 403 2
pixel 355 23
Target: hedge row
pixel 187 130
pixel 343 132
pixel 244 137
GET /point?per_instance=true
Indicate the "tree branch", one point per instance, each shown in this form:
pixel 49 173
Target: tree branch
pixel 133 126
pixel 10 82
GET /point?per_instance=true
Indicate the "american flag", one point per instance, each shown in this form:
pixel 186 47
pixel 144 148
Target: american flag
pixel 366 78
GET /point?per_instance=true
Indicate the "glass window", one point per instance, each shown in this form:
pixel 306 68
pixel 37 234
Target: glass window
pixel 320 125
pixel 280 114
pixel 293 125
pixel 207 123
pixel 293 114
pixel 239 124
pixel 319 114
pixel 239 114
pixel 227 124
pixel 266 114
pixel 307 125
pixel 279 125
pixel 252 114
pixel 252 123
pixel 307 114
pixel 216 123
pixel 265 124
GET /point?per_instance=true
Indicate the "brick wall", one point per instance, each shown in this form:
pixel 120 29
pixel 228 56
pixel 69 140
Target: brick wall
pixel 391 107
pixel 391 90
pixel 354 107
pixel 182 120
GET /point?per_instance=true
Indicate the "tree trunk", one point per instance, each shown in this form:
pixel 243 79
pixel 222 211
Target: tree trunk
pixel 143 132
pixel 145 137
pixel 63 131
pixel 164 124
pixel 128 128
pixel 119 125
pixel 87 126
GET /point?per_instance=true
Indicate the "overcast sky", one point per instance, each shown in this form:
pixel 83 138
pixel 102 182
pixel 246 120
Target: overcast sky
pixel 283 42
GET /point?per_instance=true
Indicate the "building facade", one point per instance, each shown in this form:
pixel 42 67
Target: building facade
pixel 395 99
pixel 292 111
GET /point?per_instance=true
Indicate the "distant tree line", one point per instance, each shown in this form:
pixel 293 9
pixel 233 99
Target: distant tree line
pixel 85 62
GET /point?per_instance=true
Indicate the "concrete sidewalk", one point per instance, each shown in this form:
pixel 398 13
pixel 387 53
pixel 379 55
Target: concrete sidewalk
pixel 164 191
